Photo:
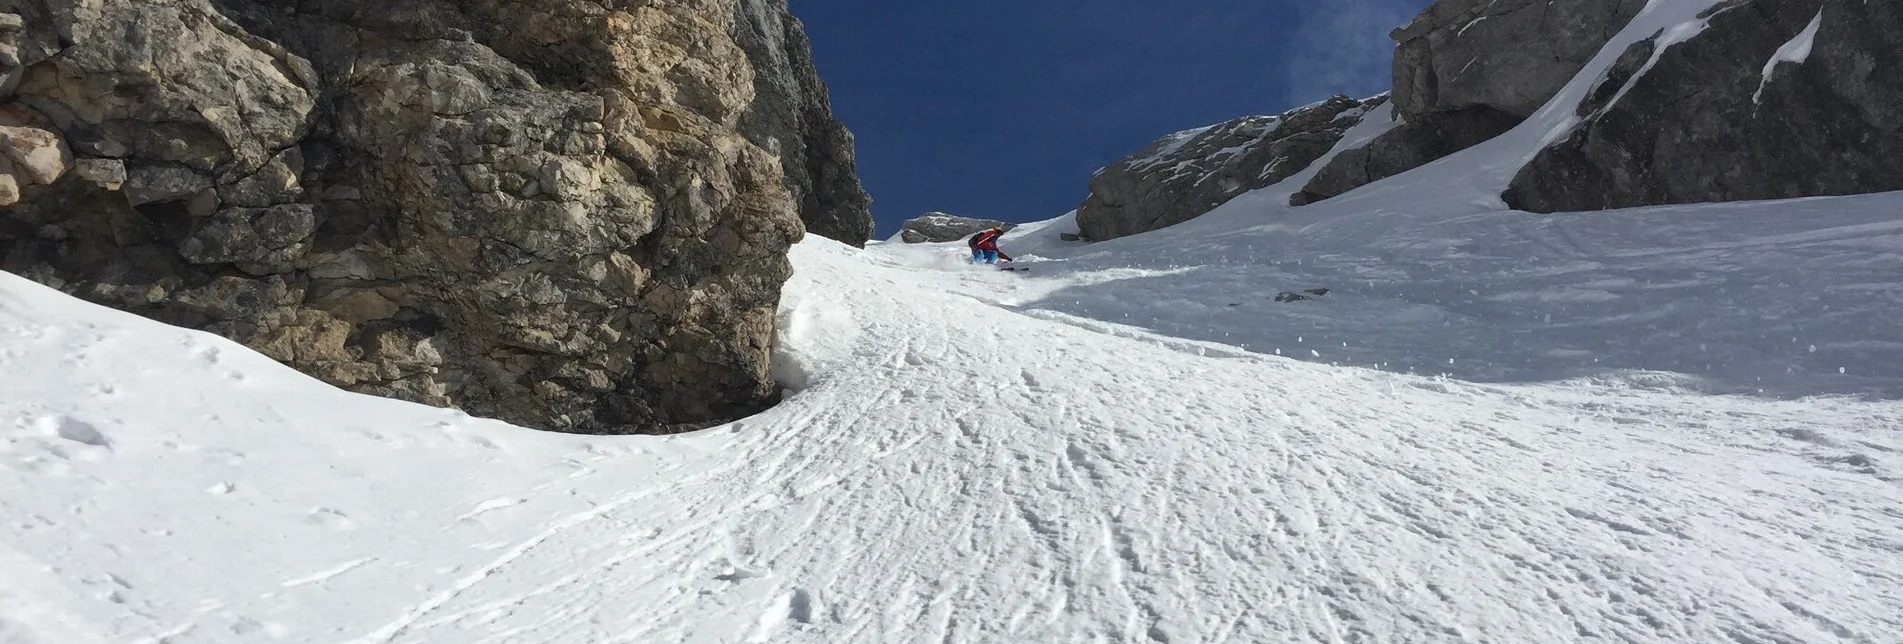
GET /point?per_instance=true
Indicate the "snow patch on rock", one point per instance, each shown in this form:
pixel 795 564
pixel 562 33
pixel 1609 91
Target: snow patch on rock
pixel 1795 52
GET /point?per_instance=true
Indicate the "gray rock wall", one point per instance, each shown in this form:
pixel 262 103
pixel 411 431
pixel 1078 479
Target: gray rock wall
pixel 1187 174
pixel 1509 56
pixel 791 113
pixel 1730 115
pixel 561 214
pixel 1466 71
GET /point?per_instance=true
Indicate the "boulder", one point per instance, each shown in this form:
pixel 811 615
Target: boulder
pixel 1189 173
pixel 569 215
pixel 29 154
pixel 1466 71
pixel 938 227
pixel 1772 100
pixel 36 156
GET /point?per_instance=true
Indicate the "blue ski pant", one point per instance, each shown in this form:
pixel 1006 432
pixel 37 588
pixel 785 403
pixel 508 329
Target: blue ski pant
pixel 986 256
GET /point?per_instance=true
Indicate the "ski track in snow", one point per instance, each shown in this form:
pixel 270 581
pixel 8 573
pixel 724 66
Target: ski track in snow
pixel 956 471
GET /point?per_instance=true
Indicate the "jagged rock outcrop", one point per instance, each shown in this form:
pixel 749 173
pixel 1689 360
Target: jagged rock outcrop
pixel 1466 71
pixel 938 227
pixel 565 214
pixel 789 97
pixel 1772 100
pixel 1190 173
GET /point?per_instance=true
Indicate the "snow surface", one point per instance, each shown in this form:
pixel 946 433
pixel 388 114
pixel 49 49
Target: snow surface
pixel 1660 425
pixel 950 470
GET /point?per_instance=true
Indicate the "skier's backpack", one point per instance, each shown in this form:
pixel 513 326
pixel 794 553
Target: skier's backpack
pixel 973 242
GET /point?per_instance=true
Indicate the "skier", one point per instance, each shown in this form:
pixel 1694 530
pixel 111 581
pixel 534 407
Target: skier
pixel 984 246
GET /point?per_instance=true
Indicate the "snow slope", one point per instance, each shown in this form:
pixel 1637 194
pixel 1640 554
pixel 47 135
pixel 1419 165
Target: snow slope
pixel 951 471
pixel 1431 274
pixel 1779 298
pixel 1101 450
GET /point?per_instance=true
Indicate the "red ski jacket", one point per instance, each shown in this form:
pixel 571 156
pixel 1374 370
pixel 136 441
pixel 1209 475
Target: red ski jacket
pixel 986 240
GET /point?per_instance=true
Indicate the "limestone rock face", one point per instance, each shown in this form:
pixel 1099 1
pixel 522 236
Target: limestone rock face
pixel 1466 71
pixel 820 165
pixel 938 227
pixel 1773 100
pixel 1187 174
pixel 567 214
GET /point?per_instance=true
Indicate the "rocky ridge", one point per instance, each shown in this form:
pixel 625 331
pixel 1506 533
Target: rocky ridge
pixel 1186 174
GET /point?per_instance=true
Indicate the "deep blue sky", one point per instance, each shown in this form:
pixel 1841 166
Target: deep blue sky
pixel 1004 108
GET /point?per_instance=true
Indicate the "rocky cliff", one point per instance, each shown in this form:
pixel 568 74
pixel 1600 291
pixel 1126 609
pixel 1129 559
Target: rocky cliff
pixel 1186 174
pixel 1466 71
pixel 792 114
pixel 1755 99
pixel 566 214
pixel 1771 99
